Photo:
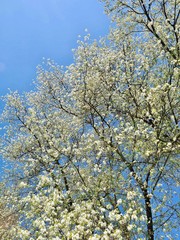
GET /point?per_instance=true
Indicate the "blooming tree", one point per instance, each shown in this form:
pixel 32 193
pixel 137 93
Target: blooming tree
pixel 8 217
pixel 97 143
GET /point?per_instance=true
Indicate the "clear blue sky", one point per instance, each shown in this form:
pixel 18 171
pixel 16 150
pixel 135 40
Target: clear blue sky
pixel 33 29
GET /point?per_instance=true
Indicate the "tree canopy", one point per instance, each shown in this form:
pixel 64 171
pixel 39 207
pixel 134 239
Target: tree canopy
pixel 97 143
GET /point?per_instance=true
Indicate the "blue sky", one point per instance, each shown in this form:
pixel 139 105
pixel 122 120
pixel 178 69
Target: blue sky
pixel 33 29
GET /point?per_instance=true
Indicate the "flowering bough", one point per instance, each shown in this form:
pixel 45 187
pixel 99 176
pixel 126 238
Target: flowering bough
pixel 97 143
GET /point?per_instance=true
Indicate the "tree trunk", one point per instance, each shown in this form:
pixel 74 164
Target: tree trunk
pixel 150 229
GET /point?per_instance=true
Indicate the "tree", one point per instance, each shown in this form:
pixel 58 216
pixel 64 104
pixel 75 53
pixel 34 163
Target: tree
pixel 8 218
pixel 97 143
